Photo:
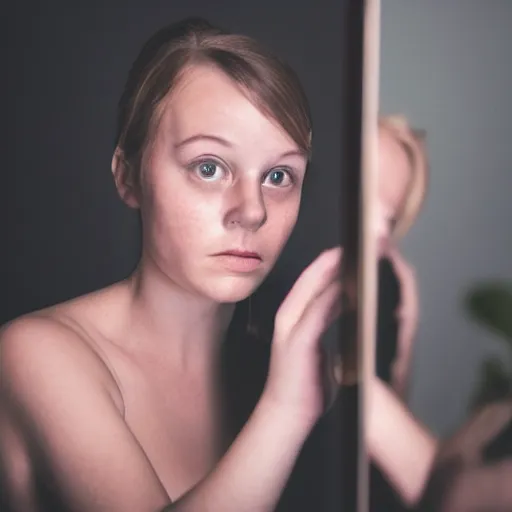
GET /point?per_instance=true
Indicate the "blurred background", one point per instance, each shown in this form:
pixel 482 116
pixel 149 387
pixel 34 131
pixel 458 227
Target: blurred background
pixel 447 66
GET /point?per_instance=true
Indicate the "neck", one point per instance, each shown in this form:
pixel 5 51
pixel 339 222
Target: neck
pixel 182 328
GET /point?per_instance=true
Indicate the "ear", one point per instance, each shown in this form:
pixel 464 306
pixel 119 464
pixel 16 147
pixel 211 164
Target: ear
pixel 123 179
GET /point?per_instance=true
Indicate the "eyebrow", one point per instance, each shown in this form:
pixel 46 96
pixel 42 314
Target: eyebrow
pixel 228 144
pixel 295 152
pixel 203 136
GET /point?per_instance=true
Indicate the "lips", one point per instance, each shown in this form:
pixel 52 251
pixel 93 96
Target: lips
pixel 239 261
pixel 240 254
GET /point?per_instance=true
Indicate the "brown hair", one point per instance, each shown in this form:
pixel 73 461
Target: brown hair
pixel 269 84
pixel 413 143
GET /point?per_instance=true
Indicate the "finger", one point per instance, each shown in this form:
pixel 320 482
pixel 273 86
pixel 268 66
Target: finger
pixel 312 282
pixel 318 316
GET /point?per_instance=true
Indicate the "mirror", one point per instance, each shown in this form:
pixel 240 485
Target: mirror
pixel 445 73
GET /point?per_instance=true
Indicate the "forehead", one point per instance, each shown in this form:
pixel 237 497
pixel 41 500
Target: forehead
pixel 207 101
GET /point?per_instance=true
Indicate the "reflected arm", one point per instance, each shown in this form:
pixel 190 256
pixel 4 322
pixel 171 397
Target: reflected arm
pixel 400 446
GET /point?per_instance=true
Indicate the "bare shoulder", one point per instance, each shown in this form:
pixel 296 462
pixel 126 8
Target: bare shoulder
pixel 40 347
pixel 66 337
pixel 61 428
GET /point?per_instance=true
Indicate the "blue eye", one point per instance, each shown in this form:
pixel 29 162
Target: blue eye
pixel 279 178
pixel 207 169
pixel 276 177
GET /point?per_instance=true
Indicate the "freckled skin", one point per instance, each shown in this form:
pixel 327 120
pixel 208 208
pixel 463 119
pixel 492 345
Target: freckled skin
pixel 187 218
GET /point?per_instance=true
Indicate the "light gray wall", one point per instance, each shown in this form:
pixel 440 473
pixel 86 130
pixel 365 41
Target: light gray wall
pixel 448 66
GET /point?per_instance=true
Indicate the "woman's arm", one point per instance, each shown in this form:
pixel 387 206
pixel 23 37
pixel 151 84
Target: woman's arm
pixel 59 424
pixel 254 471
pixel 55 392
pixel 64 443
pixel 403 449
pixel 252 474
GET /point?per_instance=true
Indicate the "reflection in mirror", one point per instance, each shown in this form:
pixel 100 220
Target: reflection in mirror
pixel 440 431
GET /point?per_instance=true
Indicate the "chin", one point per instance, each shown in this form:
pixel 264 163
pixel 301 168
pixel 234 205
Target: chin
pixel 231 289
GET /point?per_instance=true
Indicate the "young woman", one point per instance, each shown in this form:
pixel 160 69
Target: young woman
pixel 111 401
pixel 403 176
pixel 402 181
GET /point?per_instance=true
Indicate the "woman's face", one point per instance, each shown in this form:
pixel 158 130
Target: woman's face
pixel 393 179
pixel 219 177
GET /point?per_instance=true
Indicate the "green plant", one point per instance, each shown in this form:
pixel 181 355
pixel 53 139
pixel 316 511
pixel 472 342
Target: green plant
pixel 490 305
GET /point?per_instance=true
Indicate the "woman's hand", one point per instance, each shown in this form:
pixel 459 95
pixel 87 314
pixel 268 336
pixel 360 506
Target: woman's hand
pixel 294 383
pixel 473 469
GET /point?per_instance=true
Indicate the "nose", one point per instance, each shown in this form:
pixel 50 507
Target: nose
pixel 246 206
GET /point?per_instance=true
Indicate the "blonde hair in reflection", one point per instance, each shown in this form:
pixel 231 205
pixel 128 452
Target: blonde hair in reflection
pixel 413 143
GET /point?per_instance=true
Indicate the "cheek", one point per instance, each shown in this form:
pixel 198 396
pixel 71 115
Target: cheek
pixel 282 222
pixel 178 221
pixel 393 188
pixel 391 195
